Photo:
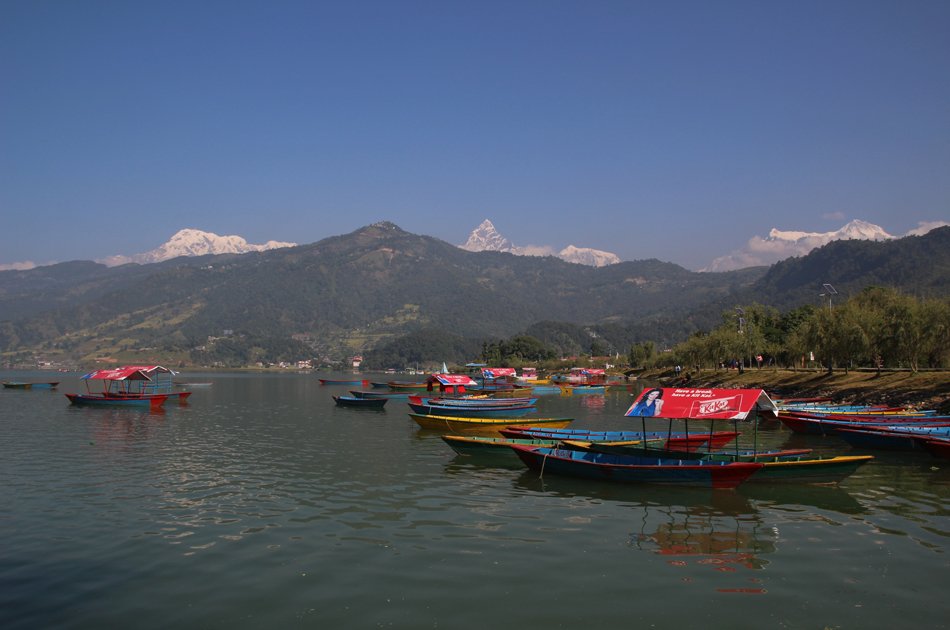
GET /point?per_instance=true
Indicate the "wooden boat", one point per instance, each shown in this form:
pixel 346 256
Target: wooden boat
pixel 463 424
pixel 387 395
pixel 130 385
pixel 545 389
pixel 485 446
pixel 658 449
pixel 363 403
pixel 810 469
pixel 404 385
pixel 475 401
pixel 787 465
pixel 813 424
pixel 346 382
pixel 631 469
pixel 148 400
pixel 579 390
pixel 30 385
pixel 670 439
pixel 891 437
pixel 512 411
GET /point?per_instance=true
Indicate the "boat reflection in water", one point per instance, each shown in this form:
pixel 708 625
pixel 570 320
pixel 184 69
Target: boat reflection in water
pixel 727 537
pixel 720 538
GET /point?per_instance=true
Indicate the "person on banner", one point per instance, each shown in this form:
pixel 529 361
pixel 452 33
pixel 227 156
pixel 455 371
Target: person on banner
pixel 649 404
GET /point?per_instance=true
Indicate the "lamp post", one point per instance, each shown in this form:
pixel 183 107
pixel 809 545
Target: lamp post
pixel 740 313
pixel 829 291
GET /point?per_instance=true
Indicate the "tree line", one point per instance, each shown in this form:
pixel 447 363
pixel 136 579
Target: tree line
pixel 877 328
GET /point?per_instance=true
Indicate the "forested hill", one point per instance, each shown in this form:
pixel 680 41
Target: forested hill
pixel 915 265
pixel 357 291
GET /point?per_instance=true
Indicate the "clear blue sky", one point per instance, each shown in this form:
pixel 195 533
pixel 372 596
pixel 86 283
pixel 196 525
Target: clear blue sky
pixel 672 130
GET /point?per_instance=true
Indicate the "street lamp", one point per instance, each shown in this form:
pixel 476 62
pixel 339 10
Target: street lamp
pixel 829 291
pixel 740 313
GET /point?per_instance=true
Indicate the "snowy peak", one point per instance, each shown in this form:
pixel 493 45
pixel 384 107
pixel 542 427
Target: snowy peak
pixel 856 229
pixel 486 238
pixel 588 256
pixel 781 244
pixel 191 242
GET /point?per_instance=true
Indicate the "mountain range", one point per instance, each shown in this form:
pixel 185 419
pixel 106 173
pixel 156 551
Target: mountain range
pixel 367 290
pixel 192 242
pixel 485 238
pixel 759 251
pixel 783 244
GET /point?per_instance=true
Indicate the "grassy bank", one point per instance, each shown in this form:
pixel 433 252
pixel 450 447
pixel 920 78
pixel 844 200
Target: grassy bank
pixel 922 389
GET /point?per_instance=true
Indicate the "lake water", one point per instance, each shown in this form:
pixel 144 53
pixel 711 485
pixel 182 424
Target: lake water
pixel 260 504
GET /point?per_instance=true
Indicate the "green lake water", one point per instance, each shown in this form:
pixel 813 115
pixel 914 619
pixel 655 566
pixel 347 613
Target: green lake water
pixel 260 504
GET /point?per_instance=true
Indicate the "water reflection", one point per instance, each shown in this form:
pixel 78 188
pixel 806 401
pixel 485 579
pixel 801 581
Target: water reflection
pixel 699 530
pixel 799 496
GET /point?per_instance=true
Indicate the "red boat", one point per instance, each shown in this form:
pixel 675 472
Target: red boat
pixel 130 385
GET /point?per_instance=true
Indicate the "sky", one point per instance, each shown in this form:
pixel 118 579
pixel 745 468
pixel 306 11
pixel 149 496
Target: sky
pixel 674 130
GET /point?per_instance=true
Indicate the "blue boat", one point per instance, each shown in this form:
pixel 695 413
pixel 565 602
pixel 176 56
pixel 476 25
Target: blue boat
pixel 387 395
pixel 892 437
pixel 364 403
pixel 473 402
pixel 27 385
pixel 632 469
pixel 348 382
pixel 514 411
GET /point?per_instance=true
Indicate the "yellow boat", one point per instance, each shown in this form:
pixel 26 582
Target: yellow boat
pixel 462 424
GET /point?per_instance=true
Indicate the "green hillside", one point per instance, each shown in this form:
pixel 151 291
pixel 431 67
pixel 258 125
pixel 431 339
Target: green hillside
pixel 379 286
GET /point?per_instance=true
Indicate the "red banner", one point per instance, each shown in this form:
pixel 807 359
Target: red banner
pixel 130 372
pixel 700 404
pixel 497 372
pixel 454 379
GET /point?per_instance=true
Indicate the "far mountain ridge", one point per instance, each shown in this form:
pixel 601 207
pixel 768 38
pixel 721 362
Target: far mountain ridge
pixel 355 292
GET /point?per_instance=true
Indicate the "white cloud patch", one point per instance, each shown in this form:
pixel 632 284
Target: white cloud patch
pixel 925 226
pixel 833 216
pixel 534 250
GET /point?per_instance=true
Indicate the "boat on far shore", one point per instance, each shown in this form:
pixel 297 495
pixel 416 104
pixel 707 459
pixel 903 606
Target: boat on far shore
pixel 30 385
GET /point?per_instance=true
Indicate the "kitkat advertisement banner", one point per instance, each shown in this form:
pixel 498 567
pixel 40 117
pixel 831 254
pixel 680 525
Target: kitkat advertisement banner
pixel 700 404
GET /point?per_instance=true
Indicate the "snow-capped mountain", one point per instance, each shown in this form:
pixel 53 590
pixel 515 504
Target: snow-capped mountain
pixel 781 244
pixel 588 256
pixel 191 242
pixel 486 238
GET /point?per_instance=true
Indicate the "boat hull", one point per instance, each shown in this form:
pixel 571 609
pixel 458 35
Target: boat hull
pixel 515 411
pixel 150 400
pixel 675 440
pixel 635 470
pixel 810 470
pixel 19 385
pixel 494 447
pixel 361 403
pixel 462 424
pixel 348 383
